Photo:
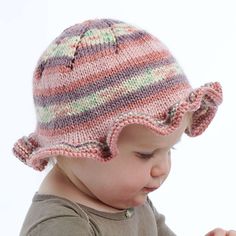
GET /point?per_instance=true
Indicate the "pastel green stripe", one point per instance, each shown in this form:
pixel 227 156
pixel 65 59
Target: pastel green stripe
pixel 106 35
pixel 46 114
pixel 95 36
pixel 62 49
pixel 122 29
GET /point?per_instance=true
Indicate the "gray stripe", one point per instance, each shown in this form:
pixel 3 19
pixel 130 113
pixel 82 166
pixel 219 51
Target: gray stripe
pixel 122 101
pixel 101 84
pixel 58 61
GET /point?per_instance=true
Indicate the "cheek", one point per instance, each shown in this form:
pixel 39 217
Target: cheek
pixel 168 168
pixel 133 174
pixel 123 173
pixel 126 175
pixel 169 164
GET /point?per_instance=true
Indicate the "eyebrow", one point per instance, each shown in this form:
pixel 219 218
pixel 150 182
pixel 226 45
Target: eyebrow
pixel 172 146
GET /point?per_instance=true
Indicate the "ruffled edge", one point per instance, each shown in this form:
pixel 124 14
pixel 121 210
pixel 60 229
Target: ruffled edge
pixel 203 102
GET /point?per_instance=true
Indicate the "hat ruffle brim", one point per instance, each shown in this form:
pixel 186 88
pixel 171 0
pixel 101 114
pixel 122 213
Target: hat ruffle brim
pixel 202 103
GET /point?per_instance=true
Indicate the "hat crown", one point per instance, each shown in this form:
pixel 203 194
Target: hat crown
pixel 97 62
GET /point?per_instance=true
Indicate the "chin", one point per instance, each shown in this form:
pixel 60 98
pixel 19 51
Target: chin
pixel 128 203
pixel 138 201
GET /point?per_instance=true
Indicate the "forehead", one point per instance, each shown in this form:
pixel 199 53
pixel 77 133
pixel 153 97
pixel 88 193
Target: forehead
pixel 141 135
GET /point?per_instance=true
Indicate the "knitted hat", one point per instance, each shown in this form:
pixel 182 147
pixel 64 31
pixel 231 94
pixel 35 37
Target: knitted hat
pixel 99 76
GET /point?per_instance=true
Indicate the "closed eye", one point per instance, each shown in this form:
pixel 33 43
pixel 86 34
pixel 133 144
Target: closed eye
pixel 150 155
pixel 144 155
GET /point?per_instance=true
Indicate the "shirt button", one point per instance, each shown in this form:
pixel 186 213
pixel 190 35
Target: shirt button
pixel 129 213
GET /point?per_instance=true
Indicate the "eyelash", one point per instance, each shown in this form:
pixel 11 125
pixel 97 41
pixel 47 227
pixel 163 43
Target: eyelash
pixel 144 156
pixel 148 156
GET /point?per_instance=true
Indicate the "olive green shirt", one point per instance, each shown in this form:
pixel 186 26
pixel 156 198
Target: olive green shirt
pixel 50 215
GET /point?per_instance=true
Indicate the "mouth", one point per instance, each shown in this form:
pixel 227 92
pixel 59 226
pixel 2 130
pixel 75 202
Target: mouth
pixel 148 190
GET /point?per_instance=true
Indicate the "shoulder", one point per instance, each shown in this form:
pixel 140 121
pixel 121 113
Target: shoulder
pixel 61 226
pixel 51 215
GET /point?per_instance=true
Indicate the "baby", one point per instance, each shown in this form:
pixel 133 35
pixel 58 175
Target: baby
pixel 111 102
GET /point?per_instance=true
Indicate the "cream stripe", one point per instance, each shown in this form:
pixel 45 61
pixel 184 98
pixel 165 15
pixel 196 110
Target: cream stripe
pixel 62 49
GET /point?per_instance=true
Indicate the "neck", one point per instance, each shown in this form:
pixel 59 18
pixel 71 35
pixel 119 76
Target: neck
pixel 58 183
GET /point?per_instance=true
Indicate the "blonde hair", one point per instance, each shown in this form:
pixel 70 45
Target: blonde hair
pixel 52 161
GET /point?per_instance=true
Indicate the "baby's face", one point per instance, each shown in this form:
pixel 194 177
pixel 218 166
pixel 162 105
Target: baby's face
pixel 126 180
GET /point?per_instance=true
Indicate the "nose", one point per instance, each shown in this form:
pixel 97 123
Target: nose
pixel 161 167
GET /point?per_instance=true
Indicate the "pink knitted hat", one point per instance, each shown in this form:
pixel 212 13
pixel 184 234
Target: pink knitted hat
pixel 99 76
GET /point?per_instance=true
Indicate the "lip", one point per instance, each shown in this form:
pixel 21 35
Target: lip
pixel 148 190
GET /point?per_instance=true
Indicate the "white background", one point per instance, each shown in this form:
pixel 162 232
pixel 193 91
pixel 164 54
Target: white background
pixel 200 192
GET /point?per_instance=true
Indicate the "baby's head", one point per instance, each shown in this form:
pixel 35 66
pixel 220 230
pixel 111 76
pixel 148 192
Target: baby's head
pixel 98 84
pixel 141 166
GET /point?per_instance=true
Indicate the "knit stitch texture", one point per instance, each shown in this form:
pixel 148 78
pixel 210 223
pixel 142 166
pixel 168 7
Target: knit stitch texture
pixel 99 76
